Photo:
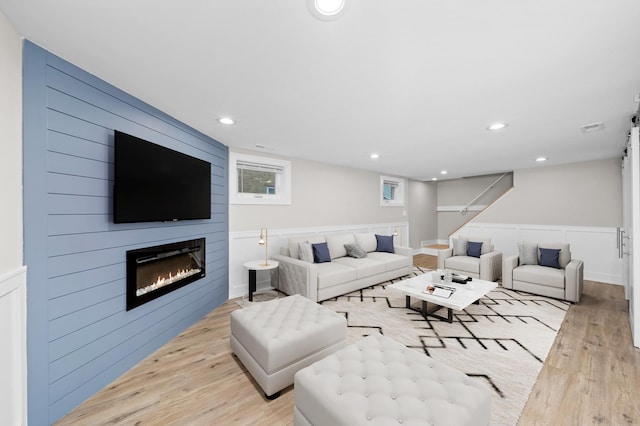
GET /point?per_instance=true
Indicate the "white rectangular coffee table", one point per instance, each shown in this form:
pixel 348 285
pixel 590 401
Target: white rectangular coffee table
pixel 463 296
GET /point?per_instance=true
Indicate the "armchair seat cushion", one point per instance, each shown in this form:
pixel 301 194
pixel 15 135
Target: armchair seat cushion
pixel 365 267
pixel 463 263
pixel 542 275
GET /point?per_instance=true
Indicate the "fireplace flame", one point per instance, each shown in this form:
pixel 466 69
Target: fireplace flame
pixel 162 281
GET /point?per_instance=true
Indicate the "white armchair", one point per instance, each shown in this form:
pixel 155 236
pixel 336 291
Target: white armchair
pixel 529 271
pixel 474 257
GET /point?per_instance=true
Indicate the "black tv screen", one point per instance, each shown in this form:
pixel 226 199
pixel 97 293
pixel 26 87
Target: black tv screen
pixel 153 183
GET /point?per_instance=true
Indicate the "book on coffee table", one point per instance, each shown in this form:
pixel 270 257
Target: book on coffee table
pixel 440 291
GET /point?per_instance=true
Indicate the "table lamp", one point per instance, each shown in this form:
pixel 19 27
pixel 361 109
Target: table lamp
pixel 264 241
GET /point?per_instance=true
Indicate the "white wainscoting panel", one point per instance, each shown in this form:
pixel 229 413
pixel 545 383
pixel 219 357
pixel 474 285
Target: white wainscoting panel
pixel 13 351
pixel 243 247
pixel 595 246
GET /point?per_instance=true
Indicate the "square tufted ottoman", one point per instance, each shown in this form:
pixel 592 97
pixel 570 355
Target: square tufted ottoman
pixel 277 338
pixel 378 381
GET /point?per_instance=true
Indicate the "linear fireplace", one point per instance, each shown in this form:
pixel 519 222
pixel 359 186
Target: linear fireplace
pixel 155 271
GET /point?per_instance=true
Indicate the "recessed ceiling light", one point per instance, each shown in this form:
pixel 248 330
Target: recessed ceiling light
pixel 541 159
pixel 374 156
pixel 444 172
pixel 226 120
pixel 329 7
pixel 326 9
pixel 497 126
pixel 434 178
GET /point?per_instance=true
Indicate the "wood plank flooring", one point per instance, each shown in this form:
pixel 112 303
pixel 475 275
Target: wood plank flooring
pixel 591 376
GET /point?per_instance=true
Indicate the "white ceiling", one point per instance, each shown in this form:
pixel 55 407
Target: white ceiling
pixel 417 81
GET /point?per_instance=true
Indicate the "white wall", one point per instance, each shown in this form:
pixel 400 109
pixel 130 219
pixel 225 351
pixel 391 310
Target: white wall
pixel 322 195
pixel 12 273
pixel 11 137
pixel 578 203
pixel 325 199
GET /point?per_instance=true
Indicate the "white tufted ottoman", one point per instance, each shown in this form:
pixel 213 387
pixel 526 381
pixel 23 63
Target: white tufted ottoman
pixel 378 381
pixel 277 338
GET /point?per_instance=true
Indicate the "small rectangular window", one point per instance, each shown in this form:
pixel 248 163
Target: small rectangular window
pixel 254 178
pixel 259 180
pixel 391 191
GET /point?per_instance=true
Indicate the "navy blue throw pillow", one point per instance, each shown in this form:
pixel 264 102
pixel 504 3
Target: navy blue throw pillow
pixel 321 253
pixel 385 243
pixel 474 249
pixel 550 257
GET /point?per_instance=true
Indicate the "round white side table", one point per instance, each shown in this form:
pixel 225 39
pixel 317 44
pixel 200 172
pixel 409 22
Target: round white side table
pixel 254 266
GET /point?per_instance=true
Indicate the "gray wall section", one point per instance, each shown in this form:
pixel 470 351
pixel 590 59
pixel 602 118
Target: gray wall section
pixel 578 194
pixel 79 335
pixel 423 218
pixel 322 195
pixel 460 192
pixel 11 137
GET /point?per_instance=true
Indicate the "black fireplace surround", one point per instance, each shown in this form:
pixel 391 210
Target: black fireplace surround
pixel 155 271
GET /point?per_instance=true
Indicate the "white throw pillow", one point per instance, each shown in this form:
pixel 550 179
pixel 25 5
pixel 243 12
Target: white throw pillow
pixel 460 246
pixel 306 251
pixel 528 253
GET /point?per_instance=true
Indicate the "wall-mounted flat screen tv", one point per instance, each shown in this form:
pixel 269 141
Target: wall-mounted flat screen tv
pixel 153 183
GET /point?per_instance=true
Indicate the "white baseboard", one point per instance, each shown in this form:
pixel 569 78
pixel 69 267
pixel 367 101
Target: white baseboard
pixel 429 251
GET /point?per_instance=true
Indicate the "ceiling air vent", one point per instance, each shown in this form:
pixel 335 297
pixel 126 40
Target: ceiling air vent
pixel 593 127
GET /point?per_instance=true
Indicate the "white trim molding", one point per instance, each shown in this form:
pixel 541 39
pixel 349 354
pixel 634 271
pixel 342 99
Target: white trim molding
pixel 13 352
pixel 595 246
pixel 243 247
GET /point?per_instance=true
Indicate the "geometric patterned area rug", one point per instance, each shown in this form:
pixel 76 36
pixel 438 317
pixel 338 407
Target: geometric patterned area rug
pixel 503 341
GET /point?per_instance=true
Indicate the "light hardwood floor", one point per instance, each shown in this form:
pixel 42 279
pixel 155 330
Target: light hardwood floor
pixel 591 376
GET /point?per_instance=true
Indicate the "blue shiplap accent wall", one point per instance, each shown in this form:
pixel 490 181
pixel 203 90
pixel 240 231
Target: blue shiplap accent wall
pixel 79 335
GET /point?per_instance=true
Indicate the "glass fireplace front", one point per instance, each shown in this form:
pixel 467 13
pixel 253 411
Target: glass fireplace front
pixel 155 271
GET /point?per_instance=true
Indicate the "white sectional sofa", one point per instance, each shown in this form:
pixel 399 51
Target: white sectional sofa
pixel 343 274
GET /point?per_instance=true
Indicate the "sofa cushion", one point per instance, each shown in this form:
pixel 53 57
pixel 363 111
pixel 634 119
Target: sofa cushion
pixel 460 246
pixel 463 263
pixel 384 243
pixel 354 250
pixel 539 275
pixel 336 244
pixel 391 261
pixel 321 253
pixel 306 252
pixel 293 243
pixel 565 255
pixel 364 267
pixel 367 241
pixel 474 248
pixel 527 253
pixel 549 257
pixel 334 273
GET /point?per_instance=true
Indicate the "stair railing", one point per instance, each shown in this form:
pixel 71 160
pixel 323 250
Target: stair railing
pixel 465 209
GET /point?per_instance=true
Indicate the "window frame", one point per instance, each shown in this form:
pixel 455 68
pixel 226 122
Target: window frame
pixel 283 184
pixel 399 192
